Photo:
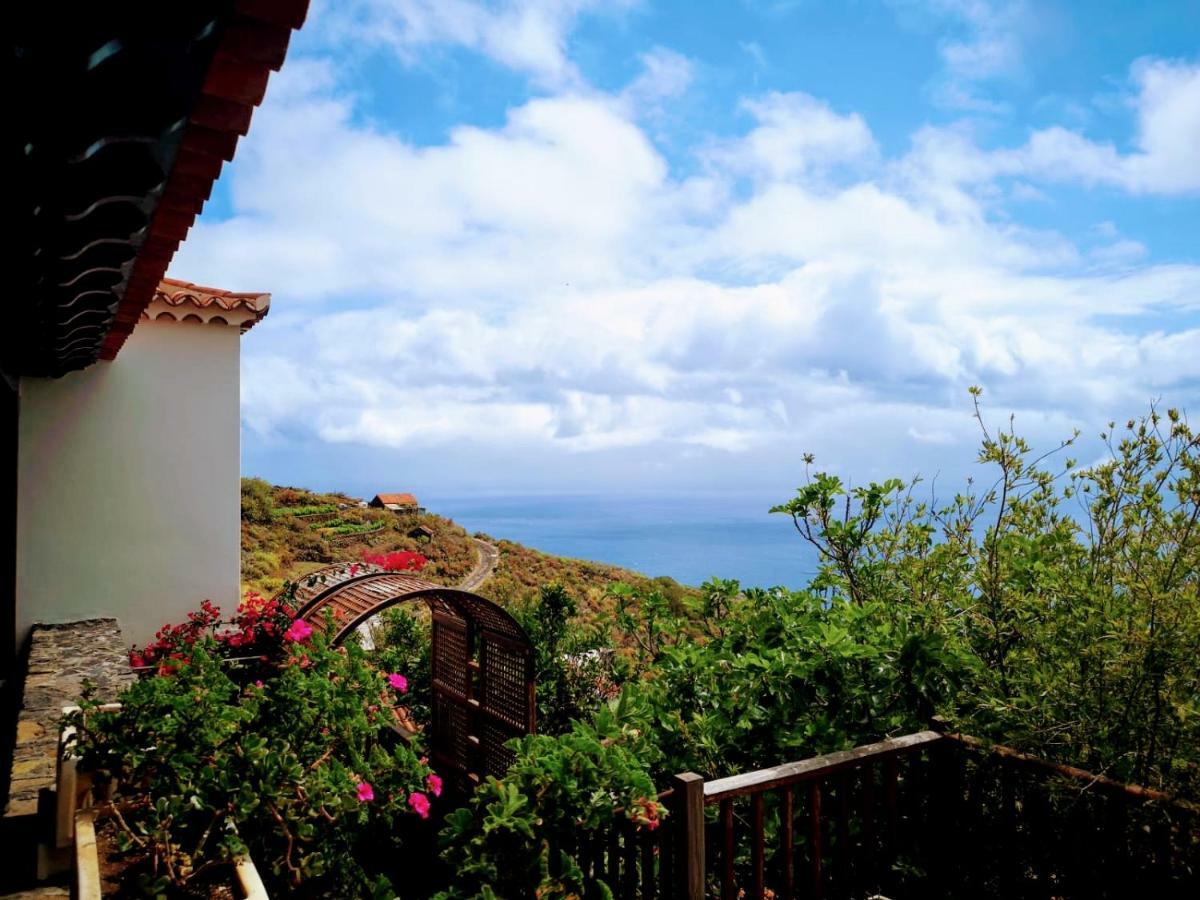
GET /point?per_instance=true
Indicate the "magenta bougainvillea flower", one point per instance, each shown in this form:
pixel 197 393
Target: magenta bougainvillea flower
pixel 366 793
pixel 399 561
pixel 299 631
pixel 434 783
pixel 399 682
pixel 420 804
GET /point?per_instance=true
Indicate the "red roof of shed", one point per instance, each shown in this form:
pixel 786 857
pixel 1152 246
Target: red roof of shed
pixel 397 499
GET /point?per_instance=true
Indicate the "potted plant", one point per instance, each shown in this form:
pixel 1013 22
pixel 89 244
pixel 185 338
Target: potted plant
pixel 73 786
pixel 108 865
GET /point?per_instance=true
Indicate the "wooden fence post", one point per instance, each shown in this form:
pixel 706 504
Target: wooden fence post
pixel 688 802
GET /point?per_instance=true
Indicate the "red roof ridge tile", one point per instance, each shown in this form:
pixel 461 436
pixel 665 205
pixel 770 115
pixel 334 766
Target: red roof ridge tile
pixel 175 292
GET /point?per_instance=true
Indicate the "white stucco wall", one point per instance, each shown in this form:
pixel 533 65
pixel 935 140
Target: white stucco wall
pixel 128 493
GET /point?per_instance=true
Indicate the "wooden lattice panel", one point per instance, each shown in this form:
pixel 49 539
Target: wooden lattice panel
pixel 504 678
pixel 481 658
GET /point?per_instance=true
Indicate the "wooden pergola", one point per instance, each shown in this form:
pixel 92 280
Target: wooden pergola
pixel 482 661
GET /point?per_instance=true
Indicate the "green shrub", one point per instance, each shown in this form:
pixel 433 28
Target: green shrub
pixel 559 790
pixel 302 761
pixel 354 528
pixel 256 500
pixel 1071 591
pixel 571 673
pixel 280 512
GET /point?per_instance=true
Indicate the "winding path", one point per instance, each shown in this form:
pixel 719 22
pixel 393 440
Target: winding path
pixel 488 555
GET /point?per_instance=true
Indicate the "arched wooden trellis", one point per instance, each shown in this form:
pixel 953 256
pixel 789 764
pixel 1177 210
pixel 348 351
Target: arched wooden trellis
pixel 482 661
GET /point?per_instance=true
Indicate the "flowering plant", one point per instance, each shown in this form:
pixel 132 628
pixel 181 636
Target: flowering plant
pixel 258 629
pixel 397 561
pixel 301 758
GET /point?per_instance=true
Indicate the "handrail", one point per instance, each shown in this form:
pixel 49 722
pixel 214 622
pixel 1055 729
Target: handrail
pixel 1010 754
pixel 816 767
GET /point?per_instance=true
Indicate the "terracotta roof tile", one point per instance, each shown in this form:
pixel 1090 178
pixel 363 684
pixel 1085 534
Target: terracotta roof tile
pixel 397 499
pixel 254 42
pixel 187 297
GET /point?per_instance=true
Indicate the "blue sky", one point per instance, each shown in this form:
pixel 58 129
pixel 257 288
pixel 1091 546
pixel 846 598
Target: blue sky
pixel 587 246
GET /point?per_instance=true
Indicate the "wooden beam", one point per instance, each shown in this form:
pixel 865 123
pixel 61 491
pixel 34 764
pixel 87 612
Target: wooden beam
pixel 688 804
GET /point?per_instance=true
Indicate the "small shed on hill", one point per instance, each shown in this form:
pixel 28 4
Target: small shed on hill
pixel 401 504
pixel 421 533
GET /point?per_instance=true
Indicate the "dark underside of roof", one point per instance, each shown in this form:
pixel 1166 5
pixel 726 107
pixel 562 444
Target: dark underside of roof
pixel 124 114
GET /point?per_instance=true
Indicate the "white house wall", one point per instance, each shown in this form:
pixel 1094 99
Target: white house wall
pixel 128 483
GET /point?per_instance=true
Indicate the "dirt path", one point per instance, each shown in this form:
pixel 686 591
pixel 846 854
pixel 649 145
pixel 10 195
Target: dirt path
pixel 488 555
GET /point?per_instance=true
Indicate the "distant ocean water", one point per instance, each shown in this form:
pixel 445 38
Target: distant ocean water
pixel 690 538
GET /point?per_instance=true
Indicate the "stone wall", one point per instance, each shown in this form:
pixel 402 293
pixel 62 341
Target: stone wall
pixel 61 658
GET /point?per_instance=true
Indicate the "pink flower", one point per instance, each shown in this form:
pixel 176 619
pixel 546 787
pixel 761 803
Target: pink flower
pixel 420 804
pixel 366 793
pixel 434 783
pixel 299 631
pixel 399 682
pixel 258 683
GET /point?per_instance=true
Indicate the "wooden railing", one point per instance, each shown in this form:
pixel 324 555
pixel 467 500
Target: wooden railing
pixel 848 805
pixel 929 815
pixel 632 861
pixel 1023 826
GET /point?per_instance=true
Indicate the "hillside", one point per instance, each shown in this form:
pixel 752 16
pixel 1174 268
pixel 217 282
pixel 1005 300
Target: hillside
pixel 522 570
pixel 288 532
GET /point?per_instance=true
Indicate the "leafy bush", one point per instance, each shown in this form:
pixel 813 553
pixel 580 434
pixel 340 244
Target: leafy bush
pixel 570 669
pixel 355 528
pixel 777 675
pixel 305 546
pixel 302 760
pixel 314 510
pixel 1071 593
pixel 558 790
pixel 258 630
pixel 256 500
pixel 402 639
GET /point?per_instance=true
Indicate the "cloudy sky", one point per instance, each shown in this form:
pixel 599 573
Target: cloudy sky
pixel 588 246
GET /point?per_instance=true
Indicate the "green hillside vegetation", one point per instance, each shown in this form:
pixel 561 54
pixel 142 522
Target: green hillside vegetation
pixel 288 532
pixel 522 571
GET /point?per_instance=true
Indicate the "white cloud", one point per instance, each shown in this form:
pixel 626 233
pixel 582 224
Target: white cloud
pixel 993 45
pixel 549 283
pixel 1168 110
pixel 666 75
pixel 985 41
pixel 1164 159
pixel 530 37
pixel 797 134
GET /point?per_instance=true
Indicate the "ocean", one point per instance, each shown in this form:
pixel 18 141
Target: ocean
pixel 691 537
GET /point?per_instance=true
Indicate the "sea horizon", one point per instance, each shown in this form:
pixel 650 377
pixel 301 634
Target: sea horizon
pixel 690 537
